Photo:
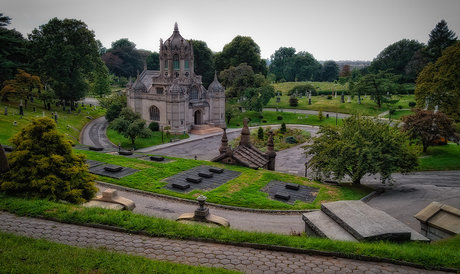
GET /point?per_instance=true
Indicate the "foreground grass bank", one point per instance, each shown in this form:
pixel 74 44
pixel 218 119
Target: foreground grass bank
pixel 243 191
pixel 27 255
pixel 440 254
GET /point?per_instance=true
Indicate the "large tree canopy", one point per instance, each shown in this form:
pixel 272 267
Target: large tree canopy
pixel 13 52
pixel 242 49
pixel 439 84
pixel 379 85
pixel 395 58
pixel 203 61
pixel 287 65
pixel 360 146
pixel 123 59
pixel 329 71
pixel 64 53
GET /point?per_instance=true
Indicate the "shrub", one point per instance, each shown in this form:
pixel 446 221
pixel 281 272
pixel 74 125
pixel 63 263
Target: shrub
pixel 320 115
pixel 399 107
pixel 283 128
pixel 113 111
pixel 412 104
pixel 329 97
pixel 264 121
pixel 392 111
pixel 279 118
pixel 261 116
pixel 291 140
pixel 44 165
pixel 293 102
pixel 154 126
pixel 260 133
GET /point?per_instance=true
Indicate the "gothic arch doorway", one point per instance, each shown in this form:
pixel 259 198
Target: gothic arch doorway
pixel 198 117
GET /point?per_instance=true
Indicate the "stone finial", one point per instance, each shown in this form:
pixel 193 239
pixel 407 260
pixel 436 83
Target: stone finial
pixel 176 27
pixel 270 144
pixel 224 143
pixel 245 134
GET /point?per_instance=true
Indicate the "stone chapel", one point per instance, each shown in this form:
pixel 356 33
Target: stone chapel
pixel 174 96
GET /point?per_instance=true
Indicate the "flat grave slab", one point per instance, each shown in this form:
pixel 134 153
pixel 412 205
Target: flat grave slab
pixel 92 163
pixel 319 224
pixel 206 183
pixel 101 170
pixel 367 223
pixel 126 154
pixel 278 190
pixel 155 159
pixel 181 185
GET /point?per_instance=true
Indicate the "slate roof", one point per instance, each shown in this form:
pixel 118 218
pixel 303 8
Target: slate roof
pixel 250 156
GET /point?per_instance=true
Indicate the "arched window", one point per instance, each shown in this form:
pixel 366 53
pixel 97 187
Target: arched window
pixel 154 113
pixel 176 62
pixel 194 93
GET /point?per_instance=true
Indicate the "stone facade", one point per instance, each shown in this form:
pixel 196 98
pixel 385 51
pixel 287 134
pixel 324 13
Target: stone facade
pixel 174 96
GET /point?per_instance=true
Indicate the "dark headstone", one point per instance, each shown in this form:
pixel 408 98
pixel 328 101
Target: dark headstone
pixel 96 148
pixel 35 109
pixel 125 152
pixel 157 158
pixel 205 174
pixel 193 179
pixel 6 110
pixel 181 185
pixel 113 168
pixel 216 170
pixel 292 186
pixel 21 110
pixel 283 196
pixel 48 106
pixel 55 117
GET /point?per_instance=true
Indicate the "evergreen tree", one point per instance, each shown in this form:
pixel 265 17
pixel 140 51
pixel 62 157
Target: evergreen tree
pixel 440 38
pixel 43 165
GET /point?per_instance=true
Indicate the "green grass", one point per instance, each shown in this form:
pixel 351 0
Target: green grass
pixel 399 114
pixel 68 124
pixel 26 255
pixel 155 139
pixel 441 254
pixel 320 86
pixel 367 106
pixel 441 158
pixel 271 119
pixel 243 191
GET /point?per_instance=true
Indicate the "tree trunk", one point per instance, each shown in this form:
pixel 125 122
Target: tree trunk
pixel 425 147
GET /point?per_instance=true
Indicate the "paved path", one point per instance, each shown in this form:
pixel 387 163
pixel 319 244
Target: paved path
pixel 242 220
pixel 244 259
pixel 94 134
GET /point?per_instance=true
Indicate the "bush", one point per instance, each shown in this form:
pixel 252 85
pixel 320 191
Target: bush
pixel 279 118
pixel 43 165
pixel 293 102
pixel 291 140
pixel 260 133
pixel 392 111
pixel 264 121
pixel 329 97
pixel 412 104
pixel 320 115
pixel 399 107
pixel 261 116
pixel 283 128
pixel 154 126
pixel 113 112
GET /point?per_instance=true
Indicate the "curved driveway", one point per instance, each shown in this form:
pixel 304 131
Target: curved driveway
pixel 94 134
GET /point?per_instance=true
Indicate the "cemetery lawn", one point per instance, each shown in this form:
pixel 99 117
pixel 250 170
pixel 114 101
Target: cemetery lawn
pixel 438 254
pixel 367 106
pixel 445 157
pixel 68 124
pixel 271 118
pixel 27 255
pixel 243 191
pixel 153 140
pixel 319 86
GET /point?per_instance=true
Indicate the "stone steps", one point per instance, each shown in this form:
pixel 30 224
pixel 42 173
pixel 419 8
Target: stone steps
pixel 360 221
pixel 319 224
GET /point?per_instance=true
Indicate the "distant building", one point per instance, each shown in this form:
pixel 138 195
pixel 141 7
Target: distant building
pixel 246 154
pixel 174 96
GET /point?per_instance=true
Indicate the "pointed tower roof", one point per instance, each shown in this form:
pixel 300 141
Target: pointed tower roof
pixel 245 134
pixel 224 145
pixel 176 40
pixel 216 86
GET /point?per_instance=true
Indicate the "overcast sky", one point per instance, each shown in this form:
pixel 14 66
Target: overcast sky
pixel 329 29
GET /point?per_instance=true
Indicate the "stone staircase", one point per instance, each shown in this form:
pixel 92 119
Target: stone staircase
pixel 356 221
pixel 205 129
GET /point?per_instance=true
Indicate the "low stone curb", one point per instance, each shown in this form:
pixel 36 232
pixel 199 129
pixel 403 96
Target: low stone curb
pixel 236 208
pixel 370 196
pixel 262 246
